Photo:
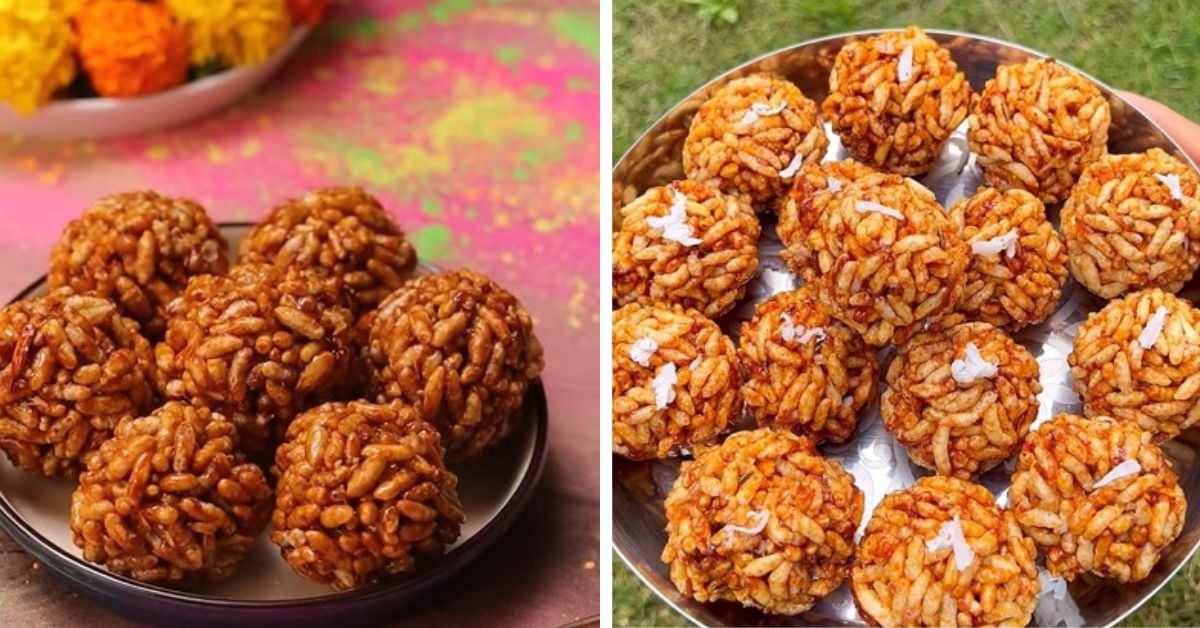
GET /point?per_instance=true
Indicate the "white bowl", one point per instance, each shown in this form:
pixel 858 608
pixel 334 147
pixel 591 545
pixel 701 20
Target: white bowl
pixel 97 118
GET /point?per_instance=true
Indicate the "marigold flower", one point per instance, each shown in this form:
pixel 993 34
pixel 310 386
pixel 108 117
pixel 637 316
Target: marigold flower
pixel 233 32
pixel 131 48
pixel 308 11
pixel 35 52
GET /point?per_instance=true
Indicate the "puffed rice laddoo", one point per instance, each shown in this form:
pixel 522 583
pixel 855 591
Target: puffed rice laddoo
pixel 675 381
pixel 170 498
pixel 685 243
pixel 749 138
pixel 812 190
pixel 894 99
pixel 1133 221
pixel 71 367
pixel 1036 126
pixel 1018 261
pixel 804 370
pixel 363 494
pixel 942 553
pixel 1138 359
pixel 890 260
pixel 762 520
pixel 961 400
pixel 1097 496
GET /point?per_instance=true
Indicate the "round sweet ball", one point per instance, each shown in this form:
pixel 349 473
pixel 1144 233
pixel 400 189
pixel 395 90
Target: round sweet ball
pixel 688 244
pixel 889 260
pixel 138 249
pixel 762 520
pixel 675 381
pixel 1097 496
pixel 960 400
pixel 1036 126
pixel 130 48
pixel 71 367
pixel 343 230
pixel 461 350
pixel 1018 261
pixel 804 370
pixel 170 498
pixel 812 190
pixel 751 136
pixel 948 540
pixel 363 494
pixel 259 345
pixel 1133 222
pixel 894 99
pixel 1138 359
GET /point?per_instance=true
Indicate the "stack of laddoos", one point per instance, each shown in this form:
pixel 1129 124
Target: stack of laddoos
pixel 761 517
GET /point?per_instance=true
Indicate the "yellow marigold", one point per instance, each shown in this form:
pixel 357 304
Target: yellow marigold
pixel 130 48
pixel 308 11
pixel 35 52
pixel 234 32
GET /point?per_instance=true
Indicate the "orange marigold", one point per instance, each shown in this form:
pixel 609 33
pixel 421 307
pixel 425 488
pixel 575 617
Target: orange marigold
pixel 308 11
pixel 131 48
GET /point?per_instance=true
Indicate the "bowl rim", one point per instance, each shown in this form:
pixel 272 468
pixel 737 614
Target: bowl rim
pixel 725 75
pixel 96 579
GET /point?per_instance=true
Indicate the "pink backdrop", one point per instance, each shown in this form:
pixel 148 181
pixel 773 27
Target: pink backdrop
pixel 476 122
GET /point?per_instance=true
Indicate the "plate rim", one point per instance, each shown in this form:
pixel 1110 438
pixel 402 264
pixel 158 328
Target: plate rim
pixel 725 75
pixel 105 587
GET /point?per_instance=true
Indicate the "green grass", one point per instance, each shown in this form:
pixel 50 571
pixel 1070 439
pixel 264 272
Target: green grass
pixel 662 50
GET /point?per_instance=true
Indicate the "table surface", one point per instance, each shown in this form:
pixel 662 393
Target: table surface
pixel 477 123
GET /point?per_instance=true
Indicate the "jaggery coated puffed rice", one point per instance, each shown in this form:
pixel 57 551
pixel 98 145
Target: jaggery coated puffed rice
pixel 363 494
pixel 259 345
pixel 704 396
pixel 1124 370
pixel 1117 530
pixel 1019 284
pixel 343 230
pixel 804 370
pixel 748 138
pixel 894 99
pixel 886 277
pixel 1133 221
pixel 138 249
pixel 71 366
pixel 170 498
pixel 812 190
pixel 1036 126
pixel 709 275
pixel 897 580
pixel 462 351
pixel 762 520
pixel 957 424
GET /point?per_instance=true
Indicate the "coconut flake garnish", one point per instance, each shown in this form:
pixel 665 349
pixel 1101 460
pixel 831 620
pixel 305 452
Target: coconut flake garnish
pixel 641 350
pixel 789 331
pixel 664 385
pixel 834 184
pixel 1054 606
pixel 1006 242
pixel 904 69
pixel 973 367
pixel 1119 472
pixel 1153 328
pixel 951 535
pixel 1172 183
pixel 871 206
pixel 674 225
pixel 792 167
pixel 760 109
pixel 758 519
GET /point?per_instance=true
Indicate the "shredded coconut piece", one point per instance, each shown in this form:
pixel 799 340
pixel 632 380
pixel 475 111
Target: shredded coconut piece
pixel 664 385
pixel 792 167
pixel 871 206
pixel 694 364
pixel 834 184
pixel 905 67
pixel 760 109
pixel 1054 605
pixel 1172 183
pixel 641 350
pixel 674 225
pixel 1153 328
pixel 1119 472
pixel 758 520
pixel 973 367
pixel 1006 242
pixel 789 331
pixel 951 535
